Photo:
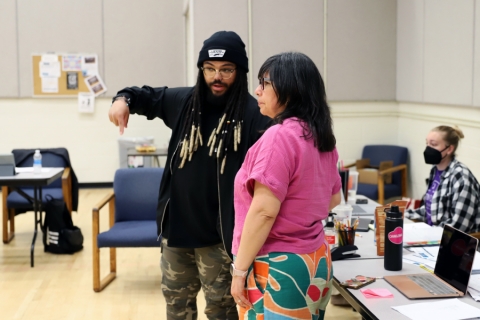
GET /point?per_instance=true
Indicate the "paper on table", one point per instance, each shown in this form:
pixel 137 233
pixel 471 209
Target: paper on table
pixel 432 250
pixel 475 282
pixel 421 234
pixel 29 169
pixel 452 309
pixel 376 293
pixel 474 294
pixel 419 261
pixel 423 253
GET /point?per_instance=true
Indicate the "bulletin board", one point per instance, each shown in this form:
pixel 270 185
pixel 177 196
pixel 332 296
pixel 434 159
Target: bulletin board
pixel 65 89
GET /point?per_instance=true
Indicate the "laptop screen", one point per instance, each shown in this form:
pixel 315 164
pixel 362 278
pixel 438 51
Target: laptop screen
pixel 455 258
pixel 7 159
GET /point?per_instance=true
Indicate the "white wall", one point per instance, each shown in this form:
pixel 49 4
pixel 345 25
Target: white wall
pixel 359 123
pixel 90 138
pixel 407 124
pixel 438 78
pixel 416 120
pixel 394 70
pixel 438 51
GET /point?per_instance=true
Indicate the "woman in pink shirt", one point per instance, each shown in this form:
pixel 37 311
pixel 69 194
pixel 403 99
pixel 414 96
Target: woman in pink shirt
pixel 285 188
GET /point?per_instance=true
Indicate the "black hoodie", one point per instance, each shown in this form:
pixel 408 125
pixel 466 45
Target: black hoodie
pixel 179 218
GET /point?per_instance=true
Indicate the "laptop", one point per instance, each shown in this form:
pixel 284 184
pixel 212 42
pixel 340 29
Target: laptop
pixel 452 269
pixel 359 210
pixel 7 165
pixel 363 210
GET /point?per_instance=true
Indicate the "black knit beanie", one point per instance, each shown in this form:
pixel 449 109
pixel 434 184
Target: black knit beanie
pixel 224 46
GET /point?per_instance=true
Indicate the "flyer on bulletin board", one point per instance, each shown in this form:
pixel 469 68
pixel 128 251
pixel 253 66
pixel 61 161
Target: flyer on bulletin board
pixel 95 84
pixel 64 74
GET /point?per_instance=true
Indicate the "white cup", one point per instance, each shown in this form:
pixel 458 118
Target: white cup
pixel 343 213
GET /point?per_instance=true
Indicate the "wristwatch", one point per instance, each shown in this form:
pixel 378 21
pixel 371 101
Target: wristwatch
pixel 237 273
pixel 124 98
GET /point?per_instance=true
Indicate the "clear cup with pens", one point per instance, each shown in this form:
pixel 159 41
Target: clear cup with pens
pixel 346 232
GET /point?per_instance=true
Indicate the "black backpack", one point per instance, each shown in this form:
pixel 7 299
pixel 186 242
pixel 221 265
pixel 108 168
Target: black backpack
pixel 59 234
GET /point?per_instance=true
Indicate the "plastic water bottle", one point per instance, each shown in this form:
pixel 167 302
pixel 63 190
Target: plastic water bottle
pixel 37 162
pixel 393 239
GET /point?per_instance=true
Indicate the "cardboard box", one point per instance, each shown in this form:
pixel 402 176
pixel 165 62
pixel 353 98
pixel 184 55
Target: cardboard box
pixel 369 174
pixel 380 216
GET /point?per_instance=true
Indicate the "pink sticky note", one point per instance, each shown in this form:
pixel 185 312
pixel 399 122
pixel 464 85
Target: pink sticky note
pixel 376 293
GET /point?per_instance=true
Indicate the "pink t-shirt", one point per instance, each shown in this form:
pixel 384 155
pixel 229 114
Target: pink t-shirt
pixel 300 176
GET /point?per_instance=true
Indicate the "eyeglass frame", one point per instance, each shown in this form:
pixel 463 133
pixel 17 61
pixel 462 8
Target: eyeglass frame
pixel 262 82
pixel 219 72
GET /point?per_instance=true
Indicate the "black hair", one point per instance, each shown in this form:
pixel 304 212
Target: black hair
pixel 300 88
pixel 227 135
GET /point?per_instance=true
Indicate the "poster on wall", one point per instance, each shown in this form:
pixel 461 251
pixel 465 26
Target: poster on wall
pixel 72 62
pixel 49 70
pixel 63 74
pixel 89 65
pixel 86 102
pixel 50 85
pixel 95 85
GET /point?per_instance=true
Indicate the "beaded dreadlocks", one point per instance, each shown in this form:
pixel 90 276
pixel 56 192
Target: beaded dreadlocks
pixel 229 130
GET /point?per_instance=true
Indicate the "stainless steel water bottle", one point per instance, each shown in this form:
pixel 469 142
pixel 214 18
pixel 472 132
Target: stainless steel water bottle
pixel 393 239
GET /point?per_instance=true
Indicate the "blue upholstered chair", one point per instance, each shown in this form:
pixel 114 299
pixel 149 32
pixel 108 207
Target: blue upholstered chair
pixel 381 190
pixel 133 211
pixel 65 188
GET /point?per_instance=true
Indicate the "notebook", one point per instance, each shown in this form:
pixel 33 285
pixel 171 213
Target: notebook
pixel 421 234
pixel 452 269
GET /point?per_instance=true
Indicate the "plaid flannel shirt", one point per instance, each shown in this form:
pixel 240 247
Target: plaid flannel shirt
pixel 456 201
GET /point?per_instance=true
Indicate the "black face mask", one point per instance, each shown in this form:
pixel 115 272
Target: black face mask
pixel 433 156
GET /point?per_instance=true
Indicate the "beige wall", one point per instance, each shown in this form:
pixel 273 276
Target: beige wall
pixel 416 120
pixel 386 78
pixel 407 124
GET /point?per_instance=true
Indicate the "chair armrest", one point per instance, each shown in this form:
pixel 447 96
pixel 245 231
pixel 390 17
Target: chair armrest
pixel 66 173
pixel 110 199
pixel 475 235
pixel 67 188
pixel 104 201
pixel 393 169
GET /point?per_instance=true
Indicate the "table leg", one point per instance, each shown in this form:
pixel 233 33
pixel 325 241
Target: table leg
pixel 359 307
pixel 37 207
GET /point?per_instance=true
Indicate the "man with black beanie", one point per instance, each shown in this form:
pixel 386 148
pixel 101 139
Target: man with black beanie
pixel 213 125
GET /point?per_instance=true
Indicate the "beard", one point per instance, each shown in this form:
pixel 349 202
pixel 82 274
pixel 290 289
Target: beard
pixel 217 100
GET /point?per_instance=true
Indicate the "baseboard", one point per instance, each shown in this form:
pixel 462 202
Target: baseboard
pixel 94 185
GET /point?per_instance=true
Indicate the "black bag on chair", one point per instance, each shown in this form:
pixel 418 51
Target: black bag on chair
pixel 59 234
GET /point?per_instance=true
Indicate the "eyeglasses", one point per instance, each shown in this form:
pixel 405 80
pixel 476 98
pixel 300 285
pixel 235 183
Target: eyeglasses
pixel 224 73
pixel 262 82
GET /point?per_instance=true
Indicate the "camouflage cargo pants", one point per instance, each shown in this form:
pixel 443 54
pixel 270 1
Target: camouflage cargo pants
pixel 185 271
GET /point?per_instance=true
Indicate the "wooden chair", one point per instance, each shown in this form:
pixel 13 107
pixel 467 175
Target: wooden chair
pixel 14 203
pixel 132 208
pixel 475 235
pixel 381 190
